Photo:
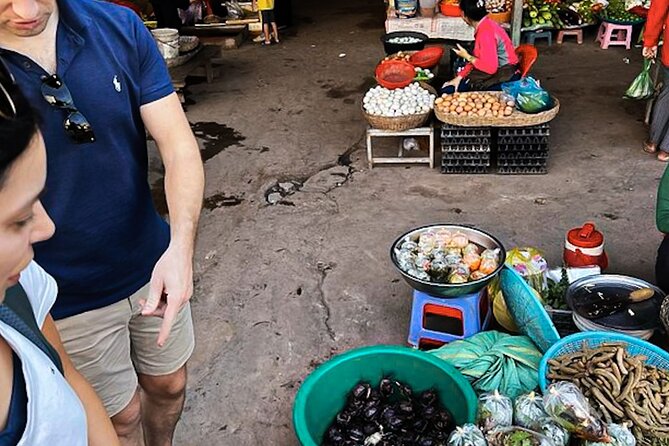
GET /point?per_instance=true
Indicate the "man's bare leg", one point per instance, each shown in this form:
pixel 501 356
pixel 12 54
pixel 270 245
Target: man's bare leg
pixel 162 403
pixel 128 423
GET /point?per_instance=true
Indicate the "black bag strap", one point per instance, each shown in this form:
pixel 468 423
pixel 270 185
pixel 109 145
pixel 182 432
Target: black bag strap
pixel 17 312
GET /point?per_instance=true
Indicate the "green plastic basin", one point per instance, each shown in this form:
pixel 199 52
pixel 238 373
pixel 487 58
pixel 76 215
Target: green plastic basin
pixel 323 394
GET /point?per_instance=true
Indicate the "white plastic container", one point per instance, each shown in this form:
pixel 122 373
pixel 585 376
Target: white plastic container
pixel 167 40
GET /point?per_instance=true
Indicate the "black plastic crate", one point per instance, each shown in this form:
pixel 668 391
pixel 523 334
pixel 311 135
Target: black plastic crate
pixel 522 140
pixel 522 170
pixel 464 170
pixel 466 162
pixel 522 155
pixel 465 155
pixel 522 148
pixel 459 141
pixel 452 131
pixel 473 148
pixel 537 130
pixel 537 162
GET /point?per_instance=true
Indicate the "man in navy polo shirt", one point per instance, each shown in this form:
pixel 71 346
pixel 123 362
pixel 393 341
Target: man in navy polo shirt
pixel 94 73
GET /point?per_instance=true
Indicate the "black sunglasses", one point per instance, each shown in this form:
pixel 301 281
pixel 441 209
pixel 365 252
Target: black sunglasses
pixel 7 83
pixel 56 93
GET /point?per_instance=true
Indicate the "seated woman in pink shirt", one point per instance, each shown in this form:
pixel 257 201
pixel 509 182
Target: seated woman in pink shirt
pixel 494 60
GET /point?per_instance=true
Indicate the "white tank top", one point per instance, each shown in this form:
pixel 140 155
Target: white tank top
pixel 55 414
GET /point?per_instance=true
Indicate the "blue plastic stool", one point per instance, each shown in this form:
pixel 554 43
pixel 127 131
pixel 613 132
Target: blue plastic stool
pixel 531 36
pixel 436 321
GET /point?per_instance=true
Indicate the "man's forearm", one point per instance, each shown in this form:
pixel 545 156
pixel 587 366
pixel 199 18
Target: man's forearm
pixel 184 189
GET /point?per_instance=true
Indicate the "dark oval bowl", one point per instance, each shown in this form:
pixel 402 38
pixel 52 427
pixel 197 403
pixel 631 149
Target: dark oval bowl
pixel 477 236
pixel 392 48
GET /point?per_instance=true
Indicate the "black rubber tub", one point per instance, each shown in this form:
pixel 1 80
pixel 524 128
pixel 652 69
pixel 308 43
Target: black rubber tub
pixel 392 48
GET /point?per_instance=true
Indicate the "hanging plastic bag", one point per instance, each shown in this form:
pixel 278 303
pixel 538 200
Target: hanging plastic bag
pixel 467 435
pixel 642 87
pixel 495 410
pixel 568 407
pixel 528 411
pixel 516 436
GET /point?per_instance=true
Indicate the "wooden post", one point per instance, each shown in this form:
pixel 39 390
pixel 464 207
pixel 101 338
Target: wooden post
pixel 517 21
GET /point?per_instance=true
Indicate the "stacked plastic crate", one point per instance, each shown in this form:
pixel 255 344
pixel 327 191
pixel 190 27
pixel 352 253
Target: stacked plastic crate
pixel 523 150
pixel 465 150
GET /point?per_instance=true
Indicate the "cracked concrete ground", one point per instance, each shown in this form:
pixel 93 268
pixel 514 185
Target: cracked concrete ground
pixel 281 288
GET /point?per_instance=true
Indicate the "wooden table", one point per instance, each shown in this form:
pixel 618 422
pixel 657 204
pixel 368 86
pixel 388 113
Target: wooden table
pixel 400 159
pixel 200 65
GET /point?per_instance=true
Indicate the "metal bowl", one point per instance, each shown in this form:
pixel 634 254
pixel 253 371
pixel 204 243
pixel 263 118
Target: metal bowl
pixel 645 315
pixel 477 236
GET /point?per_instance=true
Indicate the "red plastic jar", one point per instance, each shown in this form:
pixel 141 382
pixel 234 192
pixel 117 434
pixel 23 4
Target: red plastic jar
pixel 584 246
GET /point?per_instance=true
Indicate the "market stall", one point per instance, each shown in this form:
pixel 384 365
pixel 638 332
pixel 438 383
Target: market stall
pixel 529 18
pixel 506 131
pixel 465 383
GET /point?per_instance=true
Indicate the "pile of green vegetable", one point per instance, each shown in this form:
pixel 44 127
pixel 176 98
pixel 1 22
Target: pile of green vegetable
pixel 540 14
pixel 554 295
pixel 616 12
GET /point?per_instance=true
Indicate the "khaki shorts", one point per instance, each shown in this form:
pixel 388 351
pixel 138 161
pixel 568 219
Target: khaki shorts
pixel 110 345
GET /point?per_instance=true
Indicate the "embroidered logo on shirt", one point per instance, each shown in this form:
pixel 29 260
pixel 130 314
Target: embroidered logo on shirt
pixel 117 84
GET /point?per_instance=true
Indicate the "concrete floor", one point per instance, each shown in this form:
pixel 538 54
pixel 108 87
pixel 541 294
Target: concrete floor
pixel 281 288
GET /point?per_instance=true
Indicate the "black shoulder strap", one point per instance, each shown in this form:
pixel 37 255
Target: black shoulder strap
pixel 17 312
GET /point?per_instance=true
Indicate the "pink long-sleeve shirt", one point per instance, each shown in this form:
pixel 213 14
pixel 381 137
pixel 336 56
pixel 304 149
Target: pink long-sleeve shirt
pixel 492 48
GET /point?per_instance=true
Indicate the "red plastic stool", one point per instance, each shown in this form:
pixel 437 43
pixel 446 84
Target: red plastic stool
pixel 436 321
pixel 578 33
pixel 612 34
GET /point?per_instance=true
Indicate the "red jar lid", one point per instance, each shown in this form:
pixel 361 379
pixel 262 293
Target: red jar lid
pixel 586 236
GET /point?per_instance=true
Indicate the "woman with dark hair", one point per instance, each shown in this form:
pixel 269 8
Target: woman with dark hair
pixel 43 399
pixel 494 60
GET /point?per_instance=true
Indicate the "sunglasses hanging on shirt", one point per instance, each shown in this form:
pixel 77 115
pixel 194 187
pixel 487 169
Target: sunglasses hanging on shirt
pixel 56 93
pixel 7 83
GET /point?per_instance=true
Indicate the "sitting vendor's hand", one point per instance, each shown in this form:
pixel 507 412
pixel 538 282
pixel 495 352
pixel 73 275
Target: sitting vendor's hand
pixel 649 52
pixel 461 52
pixel 455 82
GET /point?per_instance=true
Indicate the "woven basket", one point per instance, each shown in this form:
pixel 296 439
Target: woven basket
pixel 656 357
pixel 517 119
pixel 399 123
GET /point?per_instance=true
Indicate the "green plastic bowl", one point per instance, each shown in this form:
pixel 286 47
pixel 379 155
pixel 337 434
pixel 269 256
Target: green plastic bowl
pixel 323 394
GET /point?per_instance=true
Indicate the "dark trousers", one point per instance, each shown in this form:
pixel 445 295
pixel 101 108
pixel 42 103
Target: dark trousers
pixel 662 265
pixel 659 124
pixel 166 12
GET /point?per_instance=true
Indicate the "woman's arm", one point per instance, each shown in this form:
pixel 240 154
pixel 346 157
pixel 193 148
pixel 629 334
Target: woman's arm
pixel 657 15
pixel 100 430
pixel 486 59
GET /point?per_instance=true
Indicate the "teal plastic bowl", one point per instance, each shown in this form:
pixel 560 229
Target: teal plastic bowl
pixel 323 394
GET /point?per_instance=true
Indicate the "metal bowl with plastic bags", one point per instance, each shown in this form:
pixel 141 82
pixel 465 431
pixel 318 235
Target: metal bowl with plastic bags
pixel 427 284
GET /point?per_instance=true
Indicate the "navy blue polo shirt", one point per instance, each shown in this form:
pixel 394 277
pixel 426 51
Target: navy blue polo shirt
pixel 108 233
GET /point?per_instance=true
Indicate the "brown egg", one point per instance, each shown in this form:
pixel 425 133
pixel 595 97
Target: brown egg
pixel 459 109
pixel 481 112
pixel 468 108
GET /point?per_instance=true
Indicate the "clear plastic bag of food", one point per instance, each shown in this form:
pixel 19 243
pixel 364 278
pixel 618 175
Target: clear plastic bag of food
pixel 467 435
pixel 569 408
pixel 620 436
pixel 529 263
pixel 489 261
pixel 516 436
pixel 528 411
pixel 459 274
pixel 494 410
pixel 554 432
